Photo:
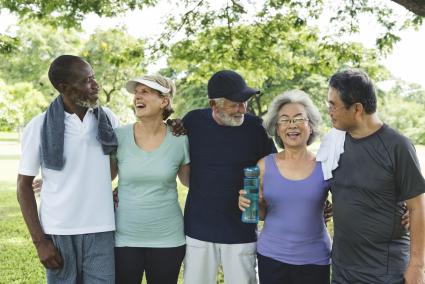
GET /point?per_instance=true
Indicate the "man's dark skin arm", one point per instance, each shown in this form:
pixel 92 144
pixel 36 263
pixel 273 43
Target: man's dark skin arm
pixel 47 253
pixel 177 127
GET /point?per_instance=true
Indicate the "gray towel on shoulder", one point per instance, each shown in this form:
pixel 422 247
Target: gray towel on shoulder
pixel 53 130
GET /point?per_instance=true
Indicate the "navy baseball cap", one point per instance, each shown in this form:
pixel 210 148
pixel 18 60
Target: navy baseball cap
pixel 230 85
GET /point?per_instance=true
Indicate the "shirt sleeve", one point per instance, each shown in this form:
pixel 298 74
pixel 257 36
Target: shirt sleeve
pixel 29 163
pixel 410 181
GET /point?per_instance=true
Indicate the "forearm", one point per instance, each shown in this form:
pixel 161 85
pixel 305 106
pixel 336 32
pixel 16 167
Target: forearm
pixel 416 208
pixel 184 175
pixel 114 167
pixel 417 237
pixel 28 206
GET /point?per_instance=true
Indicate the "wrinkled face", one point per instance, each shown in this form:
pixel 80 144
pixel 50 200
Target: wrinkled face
pixel 292 126
pixel 341 117
pixel 231 113
pixel 82 88
pixel 148 102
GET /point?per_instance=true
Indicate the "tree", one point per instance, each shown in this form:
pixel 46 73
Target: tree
pixel 414 6
pixel 70 13
pixel 18 104
pixel 200 16
pixel 116 57
pixel 39 45
pixel 278 55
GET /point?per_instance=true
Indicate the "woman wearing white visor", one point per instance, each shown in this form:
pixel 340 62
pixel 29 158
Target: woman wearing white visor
pixel 149 234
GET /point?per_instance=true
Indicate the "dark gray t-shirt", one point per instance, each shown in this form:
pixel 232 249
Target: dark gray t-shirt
pixel 375 173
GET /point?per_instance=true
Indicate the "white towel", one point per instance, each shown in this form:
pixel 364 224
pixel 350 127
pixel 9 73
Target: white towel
pixel 331 147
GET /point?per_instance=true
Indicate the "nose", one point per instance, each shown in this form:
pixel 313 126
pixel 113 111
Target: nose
pixel 242 107
pixel 95 85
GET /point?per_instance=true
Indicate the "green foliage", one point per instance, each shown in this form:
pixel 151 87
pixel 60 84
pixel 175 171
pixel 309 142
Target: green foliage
pixel 404 112
pixel 39 45
pixel 345 17
pixel 8 44
pixel 278 55
pixel 116 57
pixel 18 104
pixel 71 13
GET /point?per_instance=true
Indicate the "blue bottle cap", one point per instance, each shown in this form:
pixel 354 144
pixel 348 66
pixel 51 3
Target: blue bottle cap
pixel 252 171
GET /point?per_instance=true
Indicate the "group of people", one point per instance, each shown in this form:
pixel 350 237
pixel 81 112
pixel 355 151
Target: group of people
pixel 81 237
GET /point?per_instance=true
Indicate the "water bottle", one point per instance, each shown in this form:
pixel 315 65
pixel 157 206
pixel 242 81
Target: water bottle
pixel 251 184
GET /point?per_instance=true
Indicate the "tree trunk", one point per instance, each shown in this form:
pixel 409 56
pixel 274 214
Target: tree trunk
pixel 415 6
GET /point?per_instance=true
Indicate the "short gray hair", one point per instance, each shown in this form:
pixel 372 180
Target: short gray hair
pixel 297 97
pixel 218 101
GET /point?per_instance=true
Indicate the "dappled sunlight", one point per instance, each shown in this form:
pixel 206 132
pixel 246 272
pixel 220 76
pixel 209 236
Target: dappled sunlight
pixel 14 241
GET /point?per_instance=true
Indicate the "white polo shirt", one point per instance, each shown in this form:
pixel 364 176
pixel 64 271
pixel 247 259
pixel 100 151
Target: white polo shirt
pixel 77 199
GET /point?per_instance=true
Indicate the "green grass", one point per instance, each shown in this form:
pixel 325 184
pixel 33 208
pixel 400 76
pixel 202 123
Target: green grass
pixel 18 259
pixel 9 136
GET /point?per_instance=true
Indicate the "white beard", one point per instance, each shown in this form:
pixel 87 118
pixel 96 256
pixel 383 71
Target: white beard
pixel 230 121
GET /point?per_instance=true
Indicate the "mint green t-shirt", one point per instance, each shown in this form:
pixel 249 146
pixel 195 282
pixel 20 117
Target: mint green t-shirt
pixel 148 213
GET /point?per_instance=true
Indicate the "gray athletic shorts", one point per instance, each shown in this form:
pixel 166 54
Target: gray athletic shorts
pixel 88 258
pixel 345 276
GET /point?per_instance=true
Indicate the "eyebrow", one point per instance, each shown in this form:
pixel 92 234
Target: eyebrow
pixel 298 114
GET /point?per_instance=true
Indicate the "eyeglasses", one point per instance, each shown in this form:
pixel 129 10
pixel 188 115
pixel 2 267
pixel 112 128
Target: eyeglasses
pixel 286 121
pixel 331 107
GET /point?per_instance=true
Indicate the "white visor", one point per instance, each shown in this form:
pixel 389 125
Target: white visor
pixel 131 85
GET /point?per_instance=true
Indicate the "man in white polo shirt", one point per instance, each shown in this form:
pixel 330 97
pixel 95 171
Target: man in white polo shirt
pixel 70 143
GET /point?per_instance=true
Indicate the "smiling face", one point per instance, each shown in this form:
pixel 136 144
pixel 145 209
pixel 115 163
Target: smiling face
pixel 230 113
pixel 148 102
pixel 81 88
pixel 292 126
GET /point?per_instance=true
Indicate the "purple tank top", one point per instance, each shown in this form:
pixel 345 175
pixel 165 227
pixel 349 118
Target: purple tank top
pixel 294 231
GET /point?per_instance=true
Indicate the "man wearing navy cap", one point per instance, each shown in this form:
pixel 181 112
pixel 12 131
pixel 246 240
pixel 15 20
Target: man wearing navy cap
pixel 223 140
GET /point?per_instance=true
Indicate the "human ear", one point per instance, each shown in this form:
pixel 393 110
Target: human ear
pixel 62 87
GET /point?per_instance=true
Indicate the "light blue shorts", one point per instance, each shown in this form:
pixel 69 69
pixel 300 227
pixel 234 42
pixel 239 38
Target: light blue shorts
pixel 87 258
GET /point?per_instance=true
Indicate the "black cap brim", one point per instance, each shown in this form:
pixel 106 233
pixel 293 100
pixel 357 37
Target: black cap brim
pixel 243 95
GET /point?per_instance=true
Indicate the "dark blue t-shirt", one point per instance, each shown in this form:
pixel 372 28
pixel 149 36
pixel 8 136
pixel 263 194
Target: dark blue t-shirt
pixel 218 155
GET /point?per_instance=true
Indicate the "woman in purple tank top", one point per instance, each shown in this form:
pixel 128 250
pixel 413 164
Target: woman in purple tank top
pixel 294 245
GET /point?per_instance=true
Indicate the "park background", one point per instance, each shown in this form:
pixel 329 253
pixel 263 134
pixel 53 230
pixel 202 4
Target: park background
pixel 276 45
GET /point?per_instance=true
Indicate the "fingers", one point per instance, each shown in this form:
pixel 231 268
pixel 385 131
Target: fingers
pixel 55 262
pixel 48 254
pixel 242 201
pixel 115 197
pixel 37 184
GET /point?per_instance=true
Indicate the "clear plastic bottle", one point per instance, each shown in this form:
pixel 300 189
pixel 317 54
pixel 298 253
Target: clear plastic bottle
pixel 251 184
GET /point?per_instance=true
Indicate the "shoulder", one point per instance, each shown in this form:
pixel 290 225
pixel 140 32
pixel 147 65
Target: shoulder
pixel 253 119
pixel 253 123
pixel 193 114
pixel 392 138
pixel 36 122
pixel 112 117
pixel 121 131
pixel 181 140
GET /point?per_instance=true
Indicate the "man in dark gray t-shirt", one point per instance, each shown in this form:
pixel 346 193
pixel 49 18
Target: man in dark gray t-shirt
pixel 378 170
